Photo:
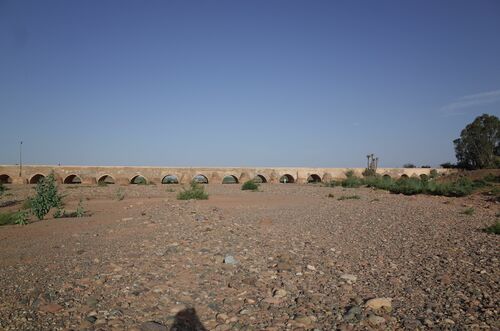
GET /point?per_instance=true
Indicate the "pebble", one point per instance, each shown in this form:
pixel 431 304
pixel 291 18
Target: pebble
pixel 349 277
pixel 378 303
pixel 229 259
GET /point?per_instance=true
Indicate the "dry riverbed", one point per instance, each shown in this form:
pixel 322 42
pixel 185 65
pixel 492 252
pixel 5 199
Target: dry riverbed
pixel 287 258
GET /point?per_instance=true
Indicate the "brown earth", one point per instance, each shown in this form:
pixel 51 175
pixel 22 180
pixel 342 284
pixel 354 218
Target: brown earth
pixel 286 258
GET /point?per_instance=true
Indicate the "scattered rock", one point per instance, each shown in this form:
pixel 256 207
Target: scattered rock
pixel 152 326
pixel 378 303
pixel 349 277
pixel 50 308
pixel 229 259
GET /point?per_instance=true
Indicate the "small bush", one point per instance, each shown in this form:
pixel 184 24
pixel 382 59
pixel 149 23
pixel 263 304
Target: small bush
pixel 352 182
pixel 120 195
pixel 46 197
pixel 80 211
pixel 19 217
pixel 250 185
pixel 433 174
pixel 468 211
pixel 195 192
pixel 349 197
pixel 331 195
pixel 369 172
pixel 495 228
pixel 407 186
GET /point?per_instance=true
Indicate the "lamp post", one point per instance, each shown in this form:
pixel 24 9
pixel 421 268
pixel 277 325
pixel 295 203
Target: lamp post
pixel 20 159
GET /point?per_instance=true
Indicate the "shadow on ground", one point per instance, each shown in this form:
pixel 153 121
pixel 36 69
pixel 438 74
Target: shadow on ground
pixel 187 320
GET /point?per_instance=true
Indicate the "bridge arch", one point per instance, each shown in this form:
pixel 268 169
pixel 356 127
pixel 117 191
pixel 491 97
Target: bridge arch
pixel 260 179
pixel 314 178
pixel 404 176
pixel 36 178
pixel 170 179
pixel 5 179
pixel 139 179
pixel 287 179
pixel 201 179
pixel 230 179
pixel 72 179
pixel 105 179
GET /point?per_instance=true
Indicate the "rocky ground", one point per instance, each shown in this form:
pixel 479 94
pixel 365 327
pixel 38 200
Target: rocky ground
pixel 287 258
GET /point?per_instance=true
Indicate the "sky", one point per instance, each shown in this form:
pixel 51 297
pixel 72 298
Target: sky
pixel 244 83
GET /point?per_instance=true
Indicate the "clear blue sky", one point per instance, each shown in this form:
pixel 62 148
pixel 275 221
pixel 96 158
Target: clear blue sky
pixel 244 83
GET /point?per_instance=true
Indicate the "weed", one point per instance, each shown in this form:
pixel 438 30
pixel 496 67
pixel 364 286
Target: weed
pixel 46 197
pixel 495 228
pixel 195 192
pixel 351 181
pixel 26 204
pixel 80 211
pixel 331 195
pixel 120 195
pixel 469 211
pixel 21 217
pixel 250 185
pixel 349 197
pixel 433 174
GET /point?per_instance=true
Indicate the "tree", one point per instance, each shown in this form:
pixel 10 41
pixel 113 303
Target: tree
pixel 479 144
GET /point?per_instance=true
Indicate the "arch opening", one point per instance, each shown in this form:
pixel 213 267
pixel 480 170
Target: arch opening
pixel 72 179
pixel 139 180
pixel 230 179
pixel 404 176
pixel 36 178
pixel 5 179
pixel 386 177
pixel 314 178
pixel 106 179
pixel 287 179
pixel 170 179
pixel 260 179
pixel 200 179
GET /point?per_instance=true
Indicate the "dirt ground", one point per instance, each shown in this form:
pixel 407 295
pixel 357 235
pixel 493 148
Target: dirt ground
pixel 286 258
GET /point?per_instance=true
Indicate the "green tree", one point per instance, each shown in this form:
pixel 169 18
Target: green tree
pixel 479 144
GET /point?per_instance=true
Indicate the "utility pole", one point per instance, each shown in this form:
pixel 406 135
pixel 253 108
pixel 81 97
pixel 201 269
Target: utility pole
pixel 20 158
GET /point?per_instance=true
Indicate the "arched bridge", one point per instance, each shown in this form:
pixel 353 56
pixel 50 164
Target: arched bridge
pixel 31 174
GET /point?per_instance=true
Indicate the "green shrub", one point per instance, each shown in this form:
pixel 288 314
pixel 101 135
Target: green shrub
pixel 21 217
pixel 18 217
pixel 195 192
pixel 349 197
pixel 379 182
pixel 407 186
pixel 2 188
pixel 433 174
pixel 495 228
pixel 352 182
pixel 26 204
pixel 46 197
pixel 250 185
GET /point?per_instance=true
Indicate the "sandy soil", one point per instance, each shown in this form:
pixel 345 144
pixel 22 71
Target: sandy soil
pixel 286 258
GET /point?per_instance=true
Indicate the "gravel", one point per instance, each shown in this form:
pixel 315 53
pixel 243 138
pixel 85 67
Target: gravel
pixel 299 260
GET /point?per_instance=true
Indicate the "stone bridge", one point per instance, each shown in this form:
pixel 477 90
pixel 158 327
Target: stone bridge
pixel 31 174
